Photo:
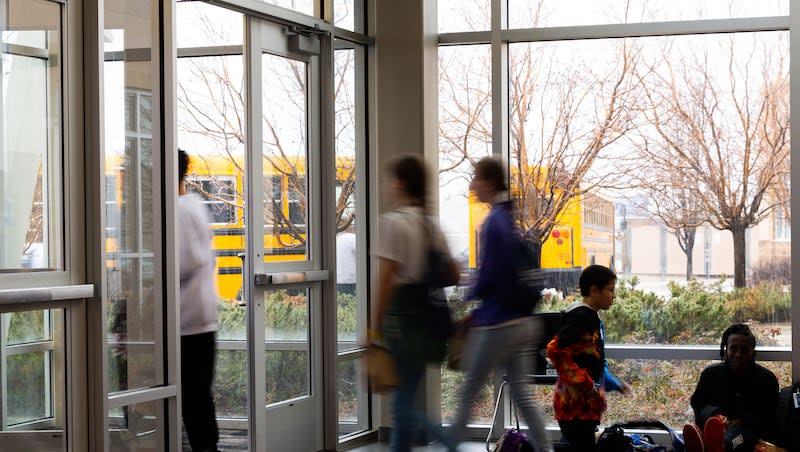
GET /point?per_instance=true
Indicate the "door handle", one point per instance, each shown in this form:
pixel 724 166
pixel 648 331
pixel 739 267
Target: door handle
pixel 263 279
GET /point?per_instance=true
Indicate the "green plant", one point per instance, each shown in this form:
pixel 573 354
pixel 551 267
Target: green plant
pixel 766 302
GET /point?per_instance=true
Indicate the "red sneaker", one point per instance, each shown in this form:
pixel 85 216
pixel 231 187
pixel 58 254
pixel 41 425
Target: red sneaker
pixel 714 434
pixel 692 438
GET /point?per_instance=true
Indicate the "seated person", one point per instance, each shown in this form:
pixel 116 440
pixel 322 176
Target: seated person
pixel 736 400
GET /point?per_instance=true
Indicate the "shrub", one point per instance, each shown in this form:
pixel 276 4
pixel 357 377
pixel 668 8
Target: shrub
pixel 631 317
pixel 692 315
pixel 766 302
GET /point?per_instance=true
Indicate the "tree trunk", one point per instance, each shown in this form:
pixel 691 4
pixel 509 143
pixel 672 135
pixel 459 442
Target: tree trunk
pixel 739 254
pixel 689 235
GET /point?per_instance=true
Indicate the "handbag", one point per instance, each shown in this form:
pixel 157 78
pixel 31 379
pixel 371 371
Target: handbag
pixel 457 343
pixel 381 369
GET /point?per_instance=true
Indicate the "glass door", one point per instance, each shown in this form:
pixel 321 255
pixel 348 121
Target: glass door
pixel 284 273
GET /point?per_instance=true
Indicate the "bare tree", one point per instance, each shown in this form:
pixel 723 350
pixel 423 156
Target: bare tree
pixel 211 98
pixel 562 116
pixel 562 120
pixel 670 199
pixel 720 133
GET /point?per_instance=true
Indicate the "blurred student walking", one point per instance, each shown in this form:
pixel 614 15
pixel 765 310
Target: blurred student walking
pixel 504 333
pixel 198 304
pixel 399 319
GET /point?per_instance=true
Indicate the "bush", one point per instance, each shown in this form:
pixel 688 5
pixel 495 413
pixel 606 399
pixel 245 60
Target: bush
pixel 766 302
pixel 693 315
pixel 631 317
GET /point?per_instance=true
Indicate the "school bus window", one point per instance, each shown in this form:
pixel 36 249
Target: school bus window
pixel 297 198
pixel 218 193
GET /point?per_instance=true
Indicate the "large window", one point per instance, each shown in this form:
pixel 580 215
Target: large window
pixel 31 192
pixel 665 158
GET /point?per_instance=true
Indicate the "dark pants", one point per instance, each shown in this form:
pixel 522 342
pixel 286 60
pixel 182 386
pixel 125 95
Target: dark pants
pixel 197 377
pixel 579 434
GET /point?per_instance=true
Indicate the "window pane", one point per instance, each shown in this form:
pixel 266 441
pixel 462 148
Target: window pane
pixel 200 24
pixel 133 310
pixel 464 15
pixel 349 14
pixel 31 217
pixel 211 130
pixel 287 356
pixel 230 383
pixel 33 375
pixel 483 408
pixel 465 136
pixel 285 126
pixel 556 13
pixel 349 148
pixel 353 397
pixel 137 428
pixel 643 200
pixel 28 326
pixel 301 6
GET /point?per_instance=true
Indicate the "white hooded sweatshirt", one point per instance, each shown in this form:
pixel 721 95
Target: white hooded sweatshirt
pixel 198 291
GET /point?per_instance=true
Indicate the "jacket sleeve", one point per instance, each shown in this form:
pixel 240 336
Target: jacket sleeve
pixel 611 381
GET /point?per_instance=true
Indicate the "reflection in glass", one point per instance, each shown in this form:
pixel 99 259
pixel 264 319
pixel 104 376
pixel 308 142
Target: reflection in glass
pixel 285 153
pixel 31 228
pixel 136 428
pixel 287 356
pixel 131 212
pixel 552 13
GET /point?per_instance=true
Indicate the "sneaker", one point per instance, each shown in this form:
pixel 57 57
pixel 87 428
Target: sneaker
pixel 693 438
pixel 714 434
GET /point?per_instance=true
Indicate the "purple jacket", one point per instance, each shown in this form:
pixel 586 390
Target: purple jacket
pixel 496 272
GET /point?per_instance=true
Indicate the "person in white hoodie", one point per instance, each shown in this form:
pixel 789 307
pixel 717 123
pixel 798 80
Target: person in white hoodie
pixel 198 305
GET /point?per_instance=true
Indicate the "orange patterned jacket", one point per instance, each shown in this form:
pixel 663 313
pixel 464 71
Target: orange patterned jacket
pixel 577 353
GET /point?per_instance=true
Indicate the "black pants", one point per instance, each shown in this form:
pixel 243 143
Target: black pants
pixel 579 434
pixel 197 376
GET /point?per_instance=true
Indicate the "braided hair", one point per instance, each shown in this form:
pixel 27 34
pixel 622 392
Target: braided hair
pixel 737 328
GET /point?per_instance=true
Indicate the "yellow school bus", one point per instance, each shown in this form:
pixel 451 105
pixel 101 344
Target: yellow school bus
pixel 220 183
pixel 583 234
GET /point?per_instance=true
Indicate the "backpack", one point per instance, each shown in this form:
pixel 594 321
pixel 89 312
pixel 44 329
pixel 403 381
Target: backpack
pixel 436 277
pixel 615 439
pixel 788 418
pixel 529 279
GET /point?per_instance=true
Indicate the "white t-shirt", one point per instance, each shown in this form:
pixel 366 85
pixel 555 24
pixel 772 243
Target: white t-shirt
pixel 345 258
pixel 403 239
pixel 198 291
